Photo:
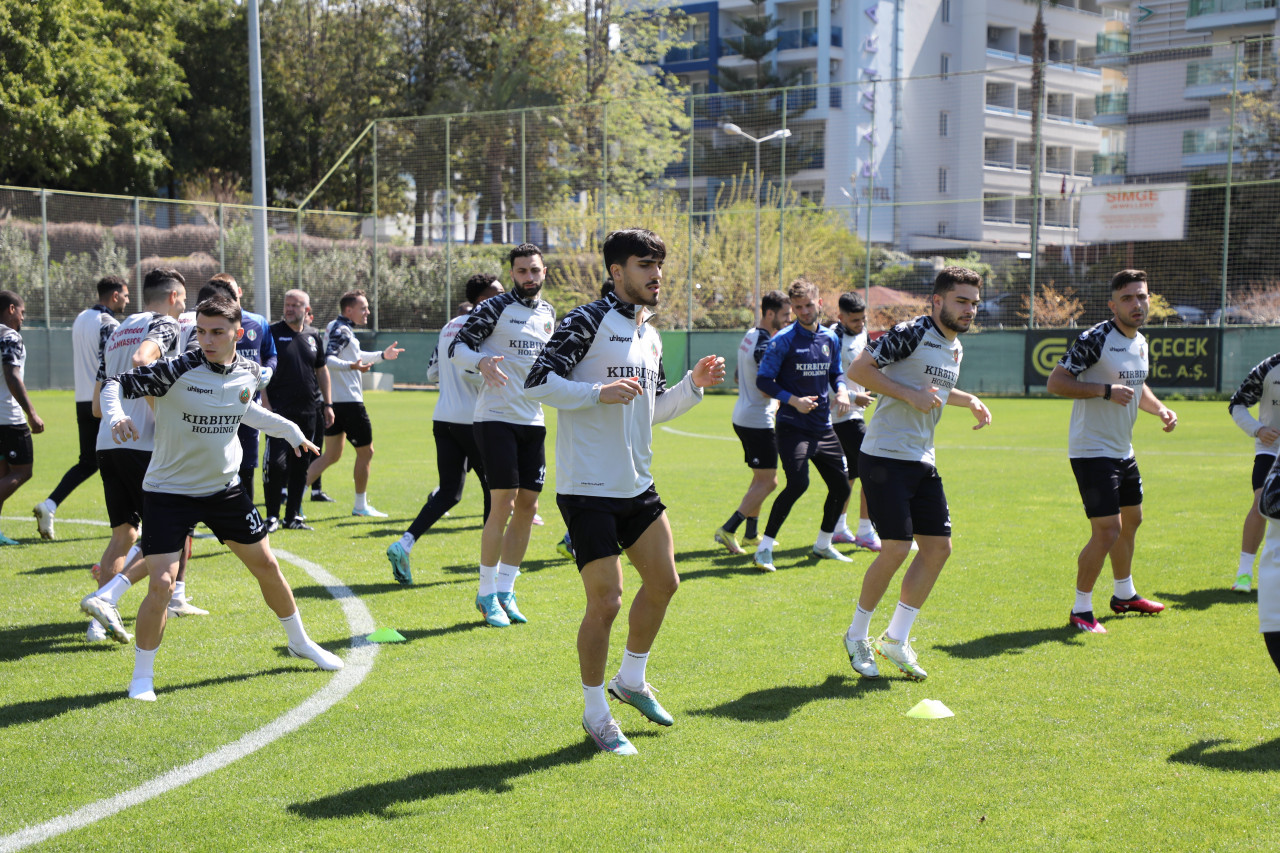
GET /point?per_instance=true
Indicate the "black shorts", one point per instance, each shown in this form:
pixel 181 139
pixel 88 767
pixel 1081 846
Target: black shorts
pixel 796 448
pixel 230 514
pixel 1261 468
pixel 851 433
pixel 759 447
pixel 904 499
pixel 605 527
pixel 352 419
pixel 513 455
pixel 123 471
pixel 87 425
pixel 1107 484
pixel 15 445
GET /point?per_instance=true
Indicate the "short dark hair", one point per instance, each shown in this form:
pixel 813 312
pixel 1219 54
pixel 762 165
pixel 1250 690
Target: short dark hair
pixel 160 282
pixel 628 243
pixel 110 284
pixel 217 286
pixel 524 250
pixel 607 287
pixel 1127 277
pixel 772 300
pixel 220 306
pixel 852 303
pixel 8 298
pixel 802 287
pixel 949 277
pixel 348 299
pixel 478 284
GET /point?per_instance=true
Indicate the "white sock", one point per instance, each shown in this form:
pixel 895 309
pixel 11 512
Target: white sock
pixel 488 580
pixel 842 523
pixel 1084 602
pixel 506 581
pixel 860 627
pixel 115 588
pixel 904 616
pixel 1124 588
pixel 361 501
pixel 179 591
pixel 631 673
pixel 293 627
pixel 144 663
pixel 1246 564
pixel 766 543
pixel 597 704
pixel 824 539
pixel 407 542
pixel 864 527
pixel 132 555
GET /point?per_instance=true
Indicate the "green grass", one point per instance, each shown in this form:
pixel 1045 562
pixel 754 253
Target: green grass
pixel 1161 734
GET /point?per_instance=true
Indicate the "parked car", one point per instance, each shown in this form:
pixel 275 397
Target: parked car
pixel 1001 309
pixel 1190 315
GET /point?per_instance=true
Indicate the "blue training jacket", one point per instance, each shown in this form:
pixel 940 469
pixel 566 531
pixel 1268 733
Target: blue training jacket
pixel 801 363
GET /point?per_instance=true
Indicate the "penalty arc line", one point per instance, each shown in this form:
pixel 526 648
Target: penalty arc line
pixel 358 664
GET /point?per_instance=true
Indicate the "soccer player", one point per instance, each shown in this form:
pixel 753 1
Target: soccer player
pixel 301 387
pixel 324 419
pixel 139 340
pixel 89 332
pixel 753 419
pixel 452 427
pixel 1269 565
pixel 851 426
pixel 500 340
pixel 347 364
pixel 194 475
pixel 1105 372
pixel 1260 388
pixel 603 370
pixel 799 364
pixel 18 418
pixel 913 367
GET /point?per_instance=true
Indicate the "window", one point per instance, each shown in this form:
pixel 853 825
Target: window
pixel 942 228
pixel 944 11
pixel 944 123
pixel 944 67
pixel 809 19
pixel 942 179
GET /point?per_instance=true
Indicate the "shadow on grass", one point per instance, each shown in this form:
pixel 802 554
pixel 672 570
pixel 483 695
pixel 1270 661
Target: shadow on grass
pixel 23 641
pixel 363 589
pixel 1203 599
pixel 58 569
pixel 40 710
pixel 460 628
pixel 1013 642
pixel 381 798
pixel 1263 757
pixel 472 570
pixel 775 704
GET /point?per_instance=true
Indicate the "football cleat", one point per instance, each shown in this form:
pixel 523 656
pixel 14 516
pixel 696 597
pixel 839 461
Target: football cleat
pixel 185 608
pixel 1137 604
pixel 273 524
pixel 862 657
pixel 537 520
pixel 507 600
pixel 900 654
pixel 1244 583
pixel 763 560
pixel 492 611
pixel 843 537
pixel 1085 622
pixel 565 547
pixel 728 540
pixel 609 737
pixel 44 520
pixel 830 553
pixel 297 524
pixel 642 700
pixel 318 496
pixel 368 512
pixel 399 558
pixel 107 615
pixel 322 658
pixel 5 540
pixel 96 632
pixel 871 543
pixel 142 689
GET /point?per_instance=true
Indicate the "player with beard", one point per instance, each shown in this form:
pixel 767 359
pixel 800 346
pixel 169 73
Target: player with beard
pixel 500 340
pixel 913 367
pixel 603 370
pixel 753 420
pixel 1105 372
pixel 18 418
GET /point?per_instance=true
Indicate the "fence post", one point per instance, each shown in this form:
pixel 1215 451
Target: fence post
pixel 298 252
pixel 374 284
pixel 871 192
pixel 44 251
pixel 1226 202
pixel 222 240
pixel 688 329
pixel 448 216
pixel 524 190
pixel 137 246
pixel 604 169
pixel 782 185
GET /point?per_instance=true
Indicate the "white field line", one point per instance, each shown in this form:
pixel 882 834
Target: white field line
pixel 359 662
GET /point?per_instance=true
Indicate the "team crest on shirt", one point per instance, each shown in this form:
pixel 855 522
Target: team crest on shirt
pixel 251 334
pixel 956 356
pixel 245 394
pixel 826 350
pixel 1142 349
pixel 546 327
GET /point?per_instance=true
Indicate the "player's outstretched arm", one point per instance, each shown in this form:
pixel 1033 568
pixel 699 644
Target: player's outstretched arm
pixel 709 370
pixel 1149 404
pixel 972 403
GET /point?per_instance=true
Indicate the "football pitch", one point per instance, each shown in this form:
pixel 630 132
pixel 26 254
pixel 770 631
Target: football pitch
pixel 1161 734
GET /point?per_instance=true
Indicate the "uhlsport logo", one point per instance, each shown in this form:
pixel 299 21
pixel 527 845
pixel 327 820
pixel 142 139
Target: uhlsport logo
pixel 1045 355
pixel 245 395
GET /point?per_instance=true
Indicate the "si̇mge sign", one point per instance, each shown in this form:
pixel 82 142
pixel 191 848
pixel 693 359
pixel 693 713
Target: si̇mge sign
pixel 1134 212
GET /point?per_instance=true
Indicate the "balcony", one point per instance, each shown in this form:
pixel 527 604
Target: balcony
pixel 1215 14
pixel 1211 146
pixel 1110 164
pixel 807 37
pixel 1112 48
pixel 1110 108
pixel 1212 78
pixel 694 53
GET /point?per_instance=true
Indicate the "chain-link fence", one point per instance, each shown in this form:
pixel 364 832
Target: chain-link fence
pixel 1163 160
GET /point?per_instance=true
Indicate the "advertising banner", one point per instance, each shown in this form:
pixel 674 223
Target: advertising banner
pixel 1134 212
pixel 1179 358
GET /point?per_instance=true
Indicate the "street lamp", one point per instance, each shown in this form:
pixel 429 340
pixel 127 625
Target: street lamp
pixel 734 130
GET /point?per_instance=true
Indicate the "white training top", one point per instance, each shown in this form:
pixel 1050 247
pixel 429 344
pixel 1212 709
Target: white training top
pixel 754 409
pixel 1261 388
pixel 89 335
pixel 13 352
pixel 851 346
pixel 342 351
pixel 459 388
pixel 603 449
pixel 117 357
pixel 516 329
pixel 1104 428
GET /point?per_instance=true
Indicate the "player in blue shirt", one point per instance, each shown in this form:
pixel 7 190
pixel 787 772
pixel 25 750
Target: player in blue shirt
pixel 799 365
